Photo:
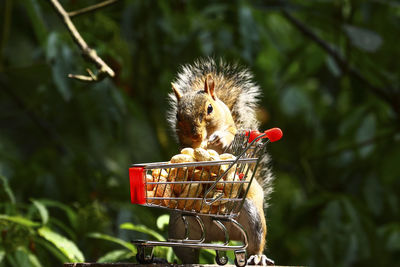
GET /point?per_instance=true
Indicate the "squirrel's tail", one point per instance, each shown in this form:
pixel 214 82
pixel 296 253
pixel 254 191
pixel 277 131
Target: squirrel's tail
pixel 265 178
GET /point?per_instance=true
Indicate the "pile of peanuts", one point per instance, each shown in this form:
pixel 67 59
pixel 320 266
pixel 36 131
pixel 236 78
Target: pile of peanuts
pixel 193 189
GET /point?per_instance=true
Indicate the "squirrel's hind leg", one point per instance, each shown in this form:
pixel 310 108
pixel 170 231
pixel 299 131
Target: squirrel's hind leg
pixel 187 255
pixel 253 219
pixel 177 230
pixel 260 260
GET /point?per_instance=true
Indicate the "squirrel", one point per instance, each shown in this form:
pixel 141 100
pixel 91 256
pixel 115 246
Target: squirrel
pixel 209 103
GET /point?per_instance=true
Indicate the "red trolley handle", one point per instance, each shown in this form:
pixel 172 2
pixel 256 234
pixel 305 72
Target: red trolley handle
pixel 137 185
pixel 273 134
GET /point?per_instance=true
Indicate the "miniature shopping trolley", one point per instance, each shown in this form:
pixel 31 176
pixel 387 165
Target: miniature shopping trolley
pixel 213 188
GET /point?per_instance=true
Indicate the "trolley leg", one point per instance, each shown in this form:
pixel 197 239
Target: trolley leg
pixel 223 229
pixel 144 254
pixel 240 258
pixel 187 232
pixel 221 258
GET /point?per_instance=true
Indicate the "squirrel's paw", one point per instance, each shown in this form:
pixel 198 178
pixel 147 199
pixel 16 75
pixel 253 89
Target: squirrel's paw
pixel 260 260
pixel 220 139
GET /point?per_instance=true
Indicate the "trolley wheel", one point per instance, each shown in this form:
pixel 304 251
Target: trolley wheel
pixel 221 258
pixel 240 258
pixel 142 257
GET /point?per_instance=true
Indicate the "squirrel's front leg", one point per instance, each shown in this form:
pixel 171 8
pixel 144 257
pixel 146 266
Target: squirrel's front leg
pixel 221 139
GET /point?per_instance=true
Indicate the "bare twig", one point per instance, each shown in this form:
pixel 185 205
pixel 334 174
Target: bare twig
pixel 89 54
pixel 91 8
pixel 383 93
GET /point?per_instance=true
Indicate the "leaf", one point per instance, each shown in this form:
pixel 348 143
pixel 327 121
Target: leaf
pixel 365 132
pixel 2 254
pixel 116 255
pixel 71 214
pixel 63 227
pixel 142 229
pixel 19 220
pixel 44 214
pixel 21 257
pixel 162 221
pixel 34 260
pixel 207 255
pixel 364 39
pixel 333 67
pixel 249 32
pixel 114 239
pixel 34 12
pixel 66 246
pixel 53 250
pixel 7 189
pixel 295 102
pixel 373 195
pixel 61 56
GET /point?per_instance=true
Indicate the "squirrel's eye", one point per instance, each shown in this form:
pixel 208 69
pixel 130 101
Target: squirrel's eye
pixel 209 109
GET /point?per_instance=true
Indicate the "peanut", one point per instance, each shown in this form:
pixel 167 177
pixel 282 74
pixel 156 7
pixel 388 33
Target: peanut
pixel 201 154
pixel 188 151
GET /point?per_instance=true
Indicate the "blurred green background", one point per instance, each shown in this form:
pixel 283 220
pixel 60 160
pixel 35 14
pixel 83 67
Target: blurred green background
pixel 329 73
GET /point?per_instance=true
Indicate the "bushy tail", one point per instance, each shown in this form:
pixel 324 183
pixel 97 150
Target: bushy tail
pixel 265 178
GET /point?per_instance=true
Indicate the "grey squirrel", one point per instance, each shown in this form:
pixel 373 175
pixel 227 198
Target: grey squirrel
pixel 209 103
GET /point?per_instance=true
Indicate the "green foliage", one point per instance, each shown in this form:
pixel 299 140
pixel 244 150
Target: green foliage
pixel 24 238
pixel 65 146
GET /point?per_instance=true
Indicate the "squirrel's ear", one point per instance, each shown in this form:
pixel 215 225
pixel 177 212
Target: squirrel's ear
pixel 209 86
pixel 178 94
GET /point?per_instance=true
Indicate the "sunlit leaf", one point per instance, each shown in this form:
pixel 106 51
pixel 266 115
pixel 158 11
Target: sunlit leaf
pixel 66 246
pixel 142 229
pixel 44 214
pixel 71 214
pixel 42 243
pixel 7 189
pixel 34 260
pixel 2 254
pixel 162 221
pixel 19 220
pixel 207 255
pixel 114 240
pixel 116 255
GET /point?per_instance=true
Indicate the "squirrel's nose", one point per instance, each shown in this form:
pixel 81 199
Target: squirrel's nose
pixel 196 137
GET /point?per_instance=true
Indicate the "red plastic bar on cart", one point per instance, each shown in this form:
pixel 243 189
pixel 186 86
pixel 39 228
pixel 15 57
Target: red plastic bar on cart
pixel 273 134
pixel 136 179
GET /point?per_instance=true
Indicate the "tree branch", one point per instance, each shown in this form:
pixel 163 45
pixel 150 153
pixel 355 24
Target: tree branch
pixel 88 53
pixel 91 8
pixel 386 95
